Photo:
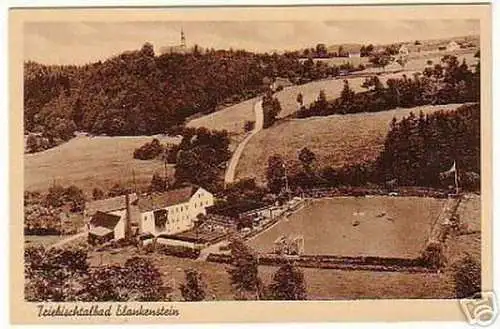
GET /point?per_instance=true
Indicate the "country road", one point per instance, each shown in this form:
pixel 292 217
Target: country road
pixel 233 162
pixel 69 239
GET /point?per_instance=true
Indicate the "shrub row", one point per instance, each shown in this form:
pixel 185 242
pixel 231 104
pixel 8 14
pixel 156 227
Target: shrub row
pixel 339 262
pixel 178 251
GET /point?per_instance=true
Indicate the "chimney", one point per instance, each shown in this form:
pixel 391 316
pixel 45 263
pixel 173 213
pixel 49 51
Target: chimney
pixel 127 216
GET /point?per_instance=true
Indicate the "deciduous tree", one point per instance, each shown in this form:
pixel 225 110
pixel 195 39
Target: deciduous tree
pixel 288 284
pixel 193 289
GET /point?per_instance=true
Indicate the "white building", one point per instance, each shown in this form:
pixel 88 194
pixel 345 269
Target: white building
pixel 173 211
pixel 109 219
pixel 452 46
pixel 167 213
pixel 403 50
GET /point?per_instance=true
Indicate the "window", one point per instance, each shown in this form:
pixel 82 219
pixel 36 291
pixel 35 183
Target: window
pixel 161 219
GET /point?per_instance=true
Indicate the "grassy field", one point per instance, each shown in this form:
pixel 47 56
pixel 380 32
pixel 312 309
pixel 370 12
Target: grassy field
pixel 232 118
pixel 326 226
pixel 90 162
pixel 335 139
pixel 320 284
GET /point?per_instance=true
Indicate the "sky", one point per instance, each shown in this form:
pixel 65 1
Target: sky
pixel 84 42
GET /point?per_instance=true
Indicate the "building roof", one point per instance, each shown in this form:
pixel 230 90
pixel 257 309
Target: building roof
pixel 107 205
pixel 100 231
pixel 166 199
pixel 101 219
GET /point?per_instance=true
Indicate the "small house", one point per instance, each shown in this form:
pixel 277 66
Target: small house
pixel 112 219
pixel 403 50
pixel 452 46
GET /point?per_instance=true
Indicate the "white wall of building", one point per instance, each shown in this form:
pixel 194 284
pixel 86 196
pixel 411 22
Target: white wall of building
pixel 119 230
pixel 180 216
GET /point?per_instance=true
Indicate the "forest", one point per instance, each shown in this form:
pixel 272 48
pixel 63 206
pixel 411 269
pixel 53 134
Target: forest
pixel 139 93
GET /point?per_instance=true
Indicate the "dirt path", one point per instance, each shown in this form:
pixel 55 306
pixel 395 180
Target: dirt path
pixel 233 162
pixel 72 238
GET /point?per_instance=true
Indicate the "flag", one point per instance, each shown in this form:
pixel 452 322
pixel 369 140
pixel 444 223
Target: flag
pixel 452 169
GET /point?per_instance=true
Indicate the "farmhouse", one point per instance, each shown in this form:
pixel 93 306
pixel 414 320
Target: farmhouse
pixel 403 50
pixel 113 218
pixel 173 211
pixel 354 54
pixel 170 212
pixel 452 46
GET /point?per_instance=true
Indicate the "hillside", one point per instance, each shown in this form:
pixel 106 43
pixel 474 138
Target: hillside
pixel 90 162
pixel 336 140
pixel 233 118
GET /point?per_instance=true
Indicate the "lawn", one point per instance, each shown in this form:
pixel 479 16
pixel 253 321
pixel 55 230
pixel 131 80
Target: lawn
pixel 336 140
pixel 388 226
pixel 320 284
pixel 90 162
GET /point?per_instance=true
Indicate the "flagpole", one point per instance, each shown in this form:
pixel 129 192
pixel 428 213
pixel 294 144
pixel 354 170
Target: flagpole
pixel 456 178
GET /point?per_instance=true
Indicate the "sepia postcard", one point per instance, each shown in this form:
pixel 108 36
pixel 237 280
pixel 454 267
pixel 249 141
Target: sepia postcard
pixel 251 164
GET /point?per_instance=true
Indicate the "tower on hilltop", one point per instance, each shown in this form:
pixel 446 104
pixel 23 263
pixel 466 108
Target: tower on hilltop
pixel 183 39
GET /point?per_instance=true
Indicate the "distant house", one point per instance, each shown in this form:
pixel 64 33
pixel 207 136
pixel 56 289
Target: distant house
pixel 403 50
pixel 106 226
pixel 354 54
pixel 112 218
pixel 280 82
pixel 173 211
pixel 452 46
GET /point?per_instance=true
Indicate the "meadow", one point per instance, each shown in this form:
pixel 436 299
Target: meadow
pixel 336 140
pixel 387 227
pixel 232 118
pixel 321 284
pixel 89 162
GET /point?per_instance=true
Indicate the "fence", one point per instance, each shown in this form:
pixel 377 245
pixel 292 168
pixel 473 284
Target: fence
pixel 361 263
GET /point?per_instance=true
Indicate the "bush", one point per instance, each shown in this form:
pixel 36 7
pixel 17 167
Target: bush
pixel 178 251
pixel 467 275
pixel 149 151
pixel 54 275
pixel 433 256
pixel 59 196
pixel 249 126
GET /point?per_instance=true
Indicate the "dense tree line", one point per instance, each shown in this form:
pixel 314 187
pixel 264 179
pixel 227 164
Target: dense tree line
pixel 321 51
pixel 45 214
pixel 418 148
pixel 417 151
pixel 447 82
pixel 63 275
pixel 201 157
pixel 240 196
pixel 271 107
